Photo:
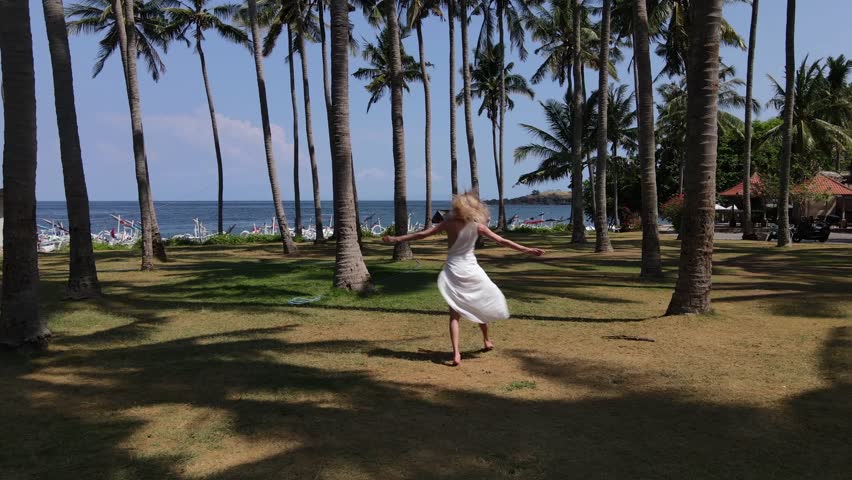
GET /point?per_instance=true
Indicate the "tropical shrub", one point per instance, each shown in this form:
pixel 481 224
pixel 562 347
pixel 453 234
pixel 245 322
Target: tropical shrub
pixel 672 210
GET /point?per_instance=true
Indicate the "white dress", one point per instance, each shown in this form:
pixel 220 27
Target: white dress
pixel 464 284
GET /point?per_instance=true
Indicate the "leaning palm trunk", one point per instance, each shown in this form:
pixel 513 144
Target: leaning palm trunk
pixel 20 321
pixel 83 274
pixel 286 239
pixel 350 272
pixel 692 291
pixel 309 135
pixel 602 243
pixel 651 260
pixel 401 251
pixel 294 102
pixel 427 97
pixel 213 124
pixel 578 228
pixel 468 100
pixel 454 164
pixel 786 129
pixel 496 155
pixel 748 227
pixel 127 38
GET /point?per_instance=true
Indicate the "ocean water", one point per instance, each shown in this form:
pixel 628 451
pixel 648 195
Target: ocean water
pixel 177 217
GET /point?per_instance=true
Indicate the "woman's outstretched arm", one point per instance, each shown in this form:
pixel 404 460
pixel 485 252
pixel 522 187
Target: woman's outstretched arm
pixel 415 236
pixel 486 232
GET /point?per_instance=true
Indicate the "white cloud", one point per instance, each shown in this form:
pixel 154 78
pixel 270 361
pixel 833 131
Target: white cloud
pixel 372 174
pixel 239 139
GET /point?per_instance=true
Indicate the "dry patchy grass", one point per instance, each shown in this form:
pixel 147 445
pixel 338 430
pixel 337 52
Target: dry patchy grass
pixel 201 370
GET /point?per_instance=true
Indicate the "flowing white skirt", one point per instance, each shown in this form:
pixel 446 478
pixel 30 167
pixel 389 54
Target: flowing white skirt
pixel 468 290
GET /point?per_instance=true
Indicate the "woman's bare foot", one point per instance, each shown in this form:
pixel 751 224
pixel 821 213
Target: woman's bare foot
pixel 456 360
pixel 489 345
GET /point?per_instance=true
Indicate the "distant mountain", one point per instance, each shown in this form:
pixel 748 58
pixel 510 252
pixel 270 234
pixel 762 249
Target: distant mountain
pixel 553 197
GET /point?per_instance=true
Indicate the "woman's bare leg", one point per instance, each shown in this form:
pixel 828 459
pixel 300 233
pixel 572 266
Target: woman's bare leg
pixel 454 336
pixel 489 345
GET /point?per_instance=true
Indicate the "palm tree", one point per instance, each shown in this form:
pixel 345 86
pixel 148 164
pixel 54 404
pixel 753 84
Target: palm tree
pixel 350 272
pixel 454 164
pixel 294 105
pixel 692 290
pixel 554 146
pixel 392 69
pixel 787 127
pixel 512 13
pixel 620 132
pixel 298 17
pixel 20 321
pixel 134 35
pixel 748 227
pixel 464 11
pixel 83 274
pixel 819 116
pixel 651 259
pixel 578 230
pixel 98 16
pixel 379 72
pixel 673 113
pixel 673 45
pixel 286 239
pixel 553 27
pixel 327 93
pixel 602 243
pixel 192 20
pixel 417 12
pixel 487 81
pixel 840 91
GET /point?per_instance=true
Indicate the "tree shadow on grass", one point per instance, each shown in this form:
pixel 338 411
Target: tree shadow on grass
pixel 330 422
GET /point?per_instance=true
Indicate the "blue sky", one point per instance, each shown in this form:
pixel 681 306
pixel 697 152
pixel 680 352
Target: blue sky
pixel 177 127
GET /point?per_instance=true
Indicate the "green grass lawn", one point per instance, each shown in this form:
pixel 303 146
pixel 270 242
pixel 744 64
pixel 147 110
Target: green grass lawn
pixel 202 370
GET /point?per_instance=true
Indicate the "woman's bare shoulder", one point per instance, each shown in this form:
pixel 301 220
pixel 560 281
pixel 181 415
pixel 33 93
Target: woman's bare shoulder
pixel 453 225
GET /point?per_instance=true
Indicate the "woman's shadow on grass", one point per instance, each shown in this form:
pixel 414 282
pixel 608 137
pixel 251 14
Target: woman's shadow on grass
pixel 424 355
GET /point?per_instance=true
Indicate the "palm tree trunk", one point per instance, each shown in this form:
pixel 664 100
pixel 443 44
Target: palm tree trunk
pixel 219 226
pixel 325 80
pixel 401 250
pixel 494 128
pixel 468 101
pixel 578 228
pixel 651 259
pixel 20 321
pixel 157 243
pixel 355 196
pixel 692 290
pixel 294 102
pixel 454 164
pixel 588 152
pixel 427 97
pixel 350 272
pixel 286 239
pixel 501 211
pixel 127 37
pixel 83 274
pixel 590 168
pixel 615 169
pixel 838 151
pixel 602 243
pixel 328 104
pixel 309 134
pixel 787 128
pixel 748 227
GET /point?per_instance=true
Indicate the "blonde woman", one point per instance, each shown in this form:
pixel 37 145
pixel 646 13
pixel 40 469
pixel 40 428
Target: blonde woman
pixel 462 282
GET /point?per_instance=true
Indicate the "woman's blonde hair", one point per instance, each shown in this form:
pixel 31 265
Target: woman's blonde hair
pixel 468 208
